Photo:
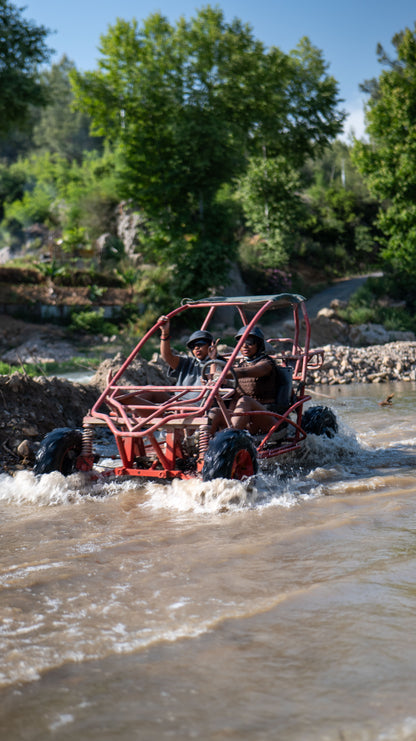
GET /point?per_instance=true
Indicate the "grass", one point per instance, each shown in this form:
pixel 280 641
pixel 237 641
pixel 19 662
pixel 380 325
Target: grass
pixel 51 369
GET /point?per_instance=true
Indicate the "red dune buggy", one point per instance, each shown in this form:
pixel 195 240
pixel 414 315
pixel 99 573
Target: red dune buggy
pixel 169 440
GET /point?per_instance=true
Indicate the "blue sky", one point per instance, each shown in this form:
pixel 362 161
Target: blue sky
pixel 347 32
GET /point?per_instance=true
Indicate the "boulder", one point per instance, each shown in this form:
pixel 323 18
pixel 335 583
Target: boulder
pixel 368 334
pixel 326 328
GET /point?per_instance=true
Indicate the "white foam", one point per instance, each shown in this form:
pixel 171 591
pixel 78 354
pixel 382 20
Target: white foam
pixel 50 489
pixel 199 496
pixel 300 474
pixel 403 731
pixel 61 720
pixel 53 489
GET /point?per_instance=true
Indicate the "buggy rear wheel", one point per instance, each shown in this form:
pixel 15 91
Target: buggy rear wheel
pixel 320 421
pixel 59 451
pixel 230 455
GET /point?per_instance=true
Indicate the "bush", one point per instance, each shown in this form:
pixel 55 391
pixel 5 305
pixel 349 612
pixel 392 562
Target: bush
pixel 91 322
pixel 260 276
pixel 375 302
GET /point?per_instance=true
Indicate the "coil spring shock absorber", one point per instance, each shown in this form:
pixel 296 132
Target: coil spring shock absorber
pixel 85 460
pixel 204 438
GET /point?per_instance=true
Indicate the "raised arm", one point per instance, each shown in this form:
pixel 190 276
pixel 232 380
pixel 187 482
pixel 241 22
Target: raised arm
pixel 165 349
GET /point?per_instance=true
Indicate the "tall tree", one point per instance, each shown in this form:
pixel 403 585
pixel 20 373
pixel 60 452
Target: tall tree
pixel 388 161
pixel 22 50
pixel 188 103
pixel 188 106
pixel 60 129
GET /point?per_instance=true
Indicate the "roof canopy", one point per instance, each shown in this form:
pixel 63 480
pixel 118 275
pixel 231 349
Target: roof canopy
pixel 250 303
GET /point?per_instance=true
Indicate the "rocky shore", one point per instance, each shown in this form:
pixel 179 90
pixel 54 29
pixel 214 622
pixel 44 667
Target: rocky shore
pixel 31 407
pixel 394 361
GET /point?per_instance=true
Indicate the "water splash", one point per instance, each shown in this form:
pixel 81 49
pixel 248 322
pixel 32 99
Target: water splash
pixel 54 489
pixel 195 495
pixel 321 466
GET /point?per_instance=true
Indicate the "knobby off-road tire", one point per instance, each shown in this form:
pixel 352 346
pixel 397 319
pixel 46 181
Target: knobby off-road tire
pixel 231 455
pixel 59 451
pixel 320 421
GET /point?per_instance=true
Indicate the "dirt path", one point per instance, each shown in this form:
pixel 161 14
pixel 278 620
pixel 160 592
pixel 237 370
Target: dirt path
pixel 342 290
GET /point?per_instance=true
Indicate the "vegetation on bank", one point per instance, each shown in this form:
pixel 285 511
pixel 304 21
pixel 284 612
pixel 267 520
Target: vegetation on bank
pixel 193 146
pixel 33 370
pixel 380 301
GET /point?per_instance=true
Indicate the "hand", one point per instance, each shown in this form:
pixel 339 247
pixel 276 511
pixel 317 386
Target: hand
pixel 212 350
pixel 164 325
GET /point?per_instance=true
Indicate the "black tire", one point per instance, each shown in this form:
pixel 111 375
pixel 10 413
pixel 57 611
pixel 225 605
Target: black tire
pixel 59 451
pixel 231 454
pixel 320 421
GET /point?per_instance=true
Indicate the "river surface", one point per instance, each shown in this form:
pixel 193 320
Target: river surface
pixel 283 608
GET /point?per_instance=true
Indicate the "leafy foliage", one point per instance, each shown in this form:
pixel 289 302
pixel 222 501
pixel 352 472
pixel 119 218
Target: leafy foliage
pixel 222 146
pixel 272 206
pixel 91 322
pixel 22 50
pixel 60 129
pixel 339 215
pixel 187 108
pixel 388 161
pixel 375 302
pixel 80 199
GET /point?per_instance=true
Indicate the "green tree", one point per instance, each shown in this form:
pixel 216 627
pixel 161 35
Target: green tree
pixel 338 230
pixel 269 192
pixel 76 199
pixel 60 129
pixel 271 183
pixel 210 89
pixel 22 50
pixel 388 160
pixel 188 106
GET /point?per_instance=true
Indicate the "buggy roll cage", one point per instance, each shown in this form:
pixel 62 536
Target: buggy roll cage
pixel 139 424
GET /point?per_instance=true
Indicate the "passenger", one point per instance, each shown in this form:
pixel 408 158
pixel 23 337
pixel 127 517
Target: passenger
pixel 257 383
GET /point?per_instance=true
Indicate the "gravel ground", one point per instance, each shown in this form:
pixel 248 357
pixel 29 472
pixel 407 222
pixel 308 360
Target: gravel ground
pixel 394 361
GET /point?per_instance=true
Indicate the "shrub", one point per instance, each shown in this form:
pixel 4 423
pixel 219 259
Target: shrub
pixel 375 302
pixel 91 322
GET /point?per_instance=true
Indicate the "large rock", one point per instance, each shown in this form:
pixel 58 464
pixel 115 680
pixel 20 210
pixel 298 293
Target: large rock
pixel 364 335
pixel 368 334
pixel 328 328
pixel 39 350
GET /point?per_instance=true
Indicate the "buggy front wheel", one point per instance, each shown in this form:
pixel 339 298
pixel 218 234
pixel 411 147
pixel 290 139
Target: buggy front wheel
pixel 231 455
pixel 59 451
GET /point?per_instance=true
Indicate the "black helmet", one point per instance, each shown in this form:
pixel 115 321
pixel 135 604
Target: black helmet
pixel 254 332
pixel 201 335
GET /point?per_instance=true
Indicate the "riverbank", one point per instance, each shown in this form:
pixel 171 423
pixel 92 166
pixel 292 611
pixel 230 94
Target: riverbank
pixel 31 407
pixel 394 361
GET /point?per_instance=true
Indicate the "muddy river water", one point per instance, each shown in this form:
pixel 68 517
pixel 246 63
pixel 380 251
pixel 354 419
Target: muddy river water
pixel 280 608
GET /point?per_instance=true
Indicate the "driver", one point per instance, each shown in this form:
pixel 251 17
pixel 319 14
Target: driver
pixel 257 383
pixel 256 391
